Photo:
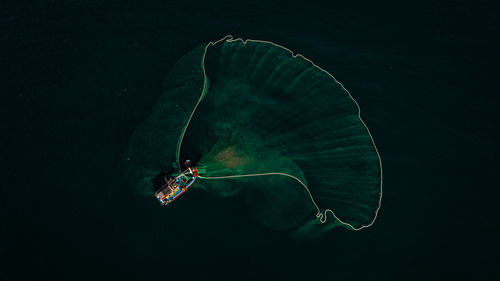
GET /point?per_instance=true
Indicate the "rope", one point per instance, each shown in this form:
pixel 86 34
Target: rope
pixel 322 216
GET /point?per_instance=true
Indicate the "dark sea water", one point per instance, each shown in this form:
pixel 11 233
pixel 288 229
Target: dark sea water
pixel 77 77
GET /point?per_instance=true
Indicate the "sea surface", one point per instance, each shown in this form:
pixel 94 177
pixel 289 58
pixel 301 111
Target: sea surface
pixel 77 77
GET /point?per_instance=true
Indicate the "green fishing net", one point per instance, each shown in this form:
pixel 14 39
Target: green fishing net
pixel 269 127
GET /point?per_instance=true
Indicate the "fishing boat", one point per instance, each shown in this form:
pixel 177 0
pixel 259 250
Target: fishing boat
pixel 175 186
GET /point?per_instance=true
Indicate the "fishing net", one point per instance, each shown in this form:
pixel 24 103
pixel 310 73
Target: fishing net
pixel 270 127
